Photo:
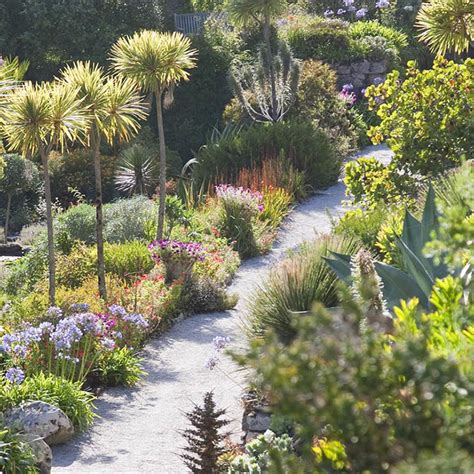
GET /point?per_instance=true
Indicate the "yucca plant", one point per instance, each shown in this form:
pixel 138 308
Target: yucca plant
pixel 262 12
pixel 116 108
pixel 156 62
pixel 36 119
pixel 136 171
pixel 295 285
pixel 420 272
pixel 447 25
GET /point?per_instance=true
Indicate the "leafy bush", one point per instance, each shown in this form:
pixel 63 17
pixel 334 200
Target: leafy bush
pixel 309 150
pixel 120 367
pixel 370 182
pixel 68 396
pixel 128 260
pixel 276 205
pixel 427 118
pixel 318 100
pixel 293 286
pixel 16 455
pixel 363 29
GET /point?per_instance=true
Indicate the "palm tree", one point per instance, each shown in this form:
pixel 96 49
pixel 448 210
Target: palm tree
pixel 116 108
pixel 245 12
pixel 36 119
pixel 447 25
pixel 157 62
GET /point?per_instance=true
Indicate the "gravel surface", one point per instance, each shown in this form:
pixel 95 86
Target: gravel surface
pixel 138 429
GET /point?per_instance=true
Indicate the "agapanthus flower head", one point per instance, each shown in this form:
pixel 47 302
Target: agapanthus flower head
pixel 79 307
pixel 328 13
pixel 107 343
pixel 408 8
pixel 212 362
pixel 361 13
pixel 348 3
pixel 15 375
pixel 382 4
pixel 220 342
pixel 117 310
pixel 377 80
pixel 54 312
pixel 136 319
pixel 176 250
pixel 340 11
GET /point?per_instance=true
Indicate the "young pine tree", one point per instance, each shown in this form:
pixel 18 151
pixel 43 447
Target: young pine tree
pixel 204 440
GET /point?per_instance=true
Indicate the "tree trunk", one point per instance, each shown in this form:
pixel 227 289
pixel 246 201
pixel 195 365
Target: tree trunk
pixel 49 222
pixel 161 134
pixel 7 217
pixel 268 47
pixel 99 221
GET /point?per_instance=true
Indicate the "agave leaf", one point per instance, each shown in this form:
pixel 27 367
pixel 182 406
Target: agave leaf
pixel 412 233
pixel 340 265
pixel 417 268
pixel 429 221
pixel 397 285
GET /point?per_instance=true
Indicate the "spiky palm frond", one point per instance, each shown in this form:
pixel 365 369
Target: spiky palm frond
pixel 243 12
pixel 154 60
pixel 137 171
pixel 114 102
pixel 447 25
pixel 43 115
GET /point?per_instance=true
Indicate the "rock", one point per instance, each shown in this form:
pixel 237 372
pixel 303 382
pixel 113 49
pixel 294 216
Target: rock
pixel 13 250
pixel 42 420
pixel 378 68
pixel 256 421
pixel 41 451
pixel 361 67
pixel 343 70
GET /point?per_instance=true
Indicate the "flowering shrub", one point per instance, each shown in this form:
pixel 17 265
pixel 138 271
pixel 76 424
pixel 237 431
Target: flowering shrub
pixel 178 257
pixel 69 348
pixel 250 200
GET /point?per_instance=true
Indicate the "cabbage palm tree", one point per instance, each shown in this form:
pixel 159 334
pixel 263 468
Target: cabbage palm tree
pixel 447 25
pixel 36 119
pixel 245 12
pixel 156 62
pixel 116 108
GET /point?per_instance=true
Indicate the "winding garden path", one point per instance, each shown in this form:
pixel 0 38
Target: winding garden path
pixel 138 429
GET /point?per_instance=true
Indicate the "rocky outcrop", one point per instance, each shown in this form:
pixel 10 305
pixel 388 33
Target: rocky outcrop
pixel 41 420
pixel 361 73
pixel 41 451
pixel 255 421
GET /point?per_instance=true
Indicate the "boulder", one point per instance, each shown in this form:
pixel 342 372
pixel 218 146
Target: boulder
pixel 361 67
pixel 378 68
pixel 42 420
pixel 256 421
pixel 343 70
pixel 41 451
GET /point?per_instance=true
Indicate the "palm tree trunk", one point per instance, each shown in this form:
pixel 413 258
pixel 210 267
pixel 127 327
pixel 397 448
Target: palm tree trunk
pixel 268 47
pixel 161 134
pixel 7 217
pixel 49 222
pixel 99 221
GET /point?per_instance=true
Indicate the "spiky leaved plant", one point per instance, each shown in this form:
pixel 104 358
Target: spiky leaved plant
pixel 156 62
pixel 204 440
pixel 268 88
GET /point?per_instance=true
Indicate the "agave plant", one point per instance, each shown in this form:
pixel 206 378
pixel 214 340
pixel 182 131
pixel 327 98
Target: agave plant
pixel 420 272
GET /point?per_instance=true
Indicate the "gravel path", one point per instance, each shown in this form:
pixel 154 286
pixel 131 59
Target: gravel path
pixel 138 429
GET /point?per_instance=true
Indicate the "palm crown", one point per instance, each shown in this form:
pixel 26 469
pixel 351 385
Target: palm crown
pixel 154 60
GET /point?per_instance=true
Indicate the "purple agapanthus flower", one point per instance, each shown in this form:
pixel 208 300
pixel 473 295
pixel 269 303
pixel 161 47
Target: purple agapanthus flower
pixel 212 362
pixel 79 307
pixel 361 13
pixel 340 11
pixel 54 312
pixel 348 3
pixel 15 375
pixel 220 342
pixel 328 13
pixel 382 4
pixel 136 319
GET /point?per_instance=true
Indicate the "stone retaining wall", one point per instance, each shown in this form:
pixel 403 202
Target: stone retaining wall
pixel 361 73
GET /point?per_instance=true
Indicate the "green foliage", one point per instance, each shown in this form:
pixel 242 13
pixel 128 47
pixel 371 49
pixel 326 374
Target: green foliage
pixel 53 32
pixel 259 452
pixel 68 396
pixel 318 100
pixel 363 225
pixel 336 41
pixel 420 271
pixel 276 205
pixel 370 182
pixel 427 118
pixel 293 287
pixel 176 214
pixel 16 455
pixel 309 150
pixel 127 260
pixel 385 402
pixel 119 367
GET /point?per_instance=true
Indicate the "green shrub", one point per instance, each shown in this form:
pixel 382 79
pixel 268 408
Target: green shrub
pixel 308 149
pixel 16 455
pixel 72 269
pixel 363 225
pixel 276 205
pixel 318 100
pixel 386 398
pixel 363 29
pixel 119 367
pixel 128 260
pixel 77 224
pixel 427 118
pixel 294 286
pixel 68 396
